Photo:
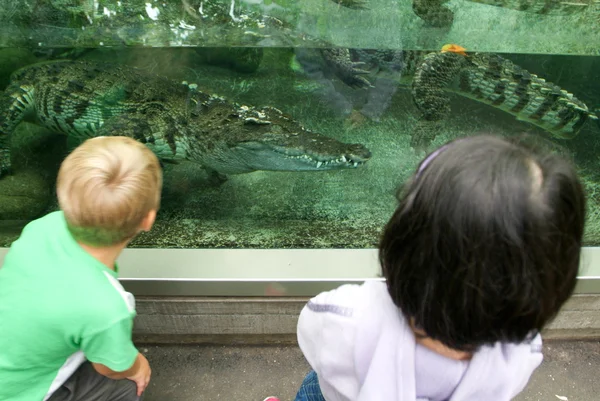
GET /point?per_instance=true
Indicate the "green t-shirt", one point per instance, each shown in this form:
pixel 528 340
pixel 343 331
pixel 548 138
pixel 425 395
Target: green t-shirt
pixel 58 306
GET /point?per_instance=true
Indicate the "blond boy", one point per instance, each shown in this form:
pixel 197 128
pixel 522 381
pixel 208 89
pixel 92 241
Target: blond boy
pixel 65 321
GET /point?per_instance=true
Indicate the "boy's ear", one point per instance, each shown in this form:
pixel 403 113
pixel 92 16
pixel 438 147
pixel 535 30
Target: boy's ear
pixel 148 221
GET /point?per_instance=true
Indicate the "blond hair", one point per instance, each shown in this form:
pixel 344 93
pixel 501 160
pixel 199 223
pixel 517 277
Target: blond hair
pixel 106 187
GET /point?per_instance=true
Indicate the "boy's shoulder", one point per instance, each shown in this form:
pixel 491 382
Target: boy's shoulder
pixel 37 232
pixel 64 272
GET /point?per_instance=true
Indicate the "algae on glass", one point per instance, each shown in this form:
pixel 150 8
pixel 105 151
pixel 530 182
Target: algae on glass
pixel 322 23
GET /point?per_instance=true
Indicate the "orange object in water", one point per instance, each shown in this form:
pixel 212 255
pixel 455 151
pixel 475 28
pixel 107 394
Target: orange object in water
pixel 454 49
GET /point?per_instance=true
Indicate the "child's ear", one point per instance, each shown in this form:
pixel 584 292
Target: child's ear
pixel 148 220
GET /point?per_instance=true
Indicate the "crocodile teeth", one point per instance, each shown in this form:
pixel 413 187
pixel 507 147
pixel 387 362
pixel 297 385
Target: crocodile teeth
pixel 343 159
pixel 355 164
pixel 319 164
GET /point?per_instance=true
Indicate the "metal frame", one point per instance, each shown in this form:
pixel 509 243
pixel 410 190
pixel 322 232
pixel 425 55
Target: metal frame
pixel 268 272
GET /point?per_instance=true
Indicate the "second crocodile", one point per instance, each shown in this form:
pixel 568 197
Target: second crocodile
pixel 176 121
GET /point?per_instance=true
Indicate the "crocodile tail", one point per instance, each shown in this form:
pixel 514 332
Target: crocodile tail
pixel 498 82
pixel 434 74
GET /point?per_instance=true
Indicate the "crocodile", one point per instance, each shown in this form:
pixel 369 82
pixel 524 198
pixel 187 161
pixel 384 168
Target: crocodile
pixel 177 121
pixel 496 81
pixel 484 77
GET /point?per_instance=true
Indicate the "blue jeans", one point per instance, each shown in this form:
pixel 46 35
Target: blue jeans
pixel 309 389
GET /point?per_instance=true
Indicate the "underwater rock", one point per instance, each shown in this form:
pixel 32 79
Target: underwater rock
pixel 28 192
pixel 36 148
pixel 12 59
pixel 242 59
pixel 24 195
pixel 353 4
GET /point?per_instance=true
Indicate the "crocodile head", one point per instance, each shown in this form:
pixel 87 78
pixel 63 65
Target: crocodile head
pixel 298 151
pixel 265 139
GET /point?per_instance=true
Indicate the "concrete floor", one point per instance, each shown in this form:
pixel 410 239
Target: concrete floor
pixel 251 373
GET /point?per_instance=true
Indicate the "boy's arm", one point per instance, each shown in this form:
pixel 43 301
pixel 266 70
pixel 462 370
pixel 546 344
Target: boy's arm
pixel 139 373
pixel 118 375
pixel 113 354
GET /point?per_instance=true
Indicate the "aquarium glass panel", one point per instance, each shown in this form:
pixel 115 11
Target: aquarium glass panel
pixel 288 124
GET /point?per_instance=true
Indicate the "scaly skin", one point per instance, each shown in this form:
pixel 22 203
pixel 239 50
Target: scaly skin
pixel 496 81
pixel 348 71
pixel 176 121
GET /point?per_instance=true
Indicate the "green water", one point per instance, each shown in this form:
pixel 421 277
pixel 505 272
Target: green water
pixel 333 209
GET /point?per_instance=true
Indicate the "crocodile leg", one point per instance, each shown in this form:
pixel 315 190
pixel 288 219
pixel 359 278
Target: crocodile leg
pixel 16 103
pixel 344 68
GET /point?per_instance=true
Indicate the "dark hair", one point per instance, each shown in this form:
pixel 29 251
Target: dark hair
pixel 486 241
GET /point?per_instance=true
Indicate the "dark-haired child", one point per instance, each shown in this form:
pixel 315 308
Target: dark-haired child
pixel 481 253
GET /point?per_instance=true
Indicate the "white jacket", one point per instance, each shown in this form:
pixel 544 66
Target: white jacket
pixel 362 349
